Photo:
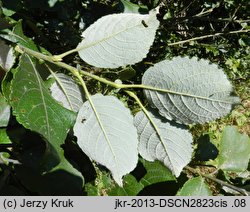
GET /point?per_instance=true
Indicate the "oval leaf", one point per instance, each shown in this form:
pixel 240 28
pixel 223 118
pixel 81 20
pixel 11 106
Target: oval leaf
pixel 164 142
pixel 4 137
pixel 192 90
pixel 234 150
pixel 107 135
pixel 118 39
pixel 36 110
pixel 195 187
pixel 66 91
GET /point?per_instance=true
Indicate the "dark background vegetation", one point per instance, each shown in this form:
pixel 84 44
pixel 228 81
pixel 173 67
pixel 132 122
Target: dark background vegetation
pixel 57 28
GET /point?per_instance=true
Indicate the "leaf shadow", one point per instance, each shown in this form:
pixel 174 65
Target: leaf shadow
pixel 205 149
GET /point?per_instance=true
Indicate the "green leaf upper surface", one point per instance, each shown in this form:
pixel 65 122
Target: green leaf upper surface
pixel 18 36
pixel 156 173
pixel 234 150
pixel 4 112
pixel 169 144
pixel 195 187
pixel 130 7
pixel 195 91
pixel 66 91
pixel 118 39
pixel 131 187
pixel 4 138
pixel 34 107
pixel 107 135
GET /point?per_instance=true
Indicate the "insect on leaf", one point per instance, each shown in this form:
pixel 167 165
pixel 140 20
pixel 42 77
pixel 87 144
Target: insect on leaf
pixel 118 39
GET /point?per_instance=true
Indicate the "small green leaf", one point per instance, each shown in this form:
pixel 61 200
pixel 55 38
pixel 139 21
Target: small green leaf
pixel 195 187
pixel 156 173
pixel 126 73
pixel 4 138
pixel 91 189
pixel 52 2
pixel 234 150
pixel 18 36
pixel 131 187
pixel 102 184
pixel 129 7
pixel 8 12
pixel 4 112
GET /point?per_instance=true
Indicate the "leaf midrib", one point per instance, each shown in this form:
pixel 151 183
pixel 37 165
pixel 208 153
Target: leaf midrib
pixel 58 80
pixel 159 136
pixel 103 129
pixel 111 36
pixel 42 97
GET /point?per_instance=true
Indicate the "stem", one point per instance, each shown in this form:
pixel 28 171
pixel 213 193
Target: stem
pixel 60 56
pixel 232 17
pixel 203 13
pixel 208 36
pixel 75 72
pixel 168 91
pixel 57 58
pixel 133 95
pixel 221 182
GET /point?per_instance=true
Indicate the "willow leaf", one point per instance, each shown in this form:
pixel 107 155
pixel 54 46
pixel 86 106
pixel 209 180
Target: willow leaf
pixel 4 112
pixel 107 134
pixel 66 91
pixel 163 141
pixel 195 187
pixel 7 57
pixel 36 110
pixel 234 150
pixel 189 90
pixel 118 39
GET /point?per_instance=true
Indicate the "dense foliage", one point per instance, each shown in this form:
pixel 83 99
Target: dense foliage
pixel 31 163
